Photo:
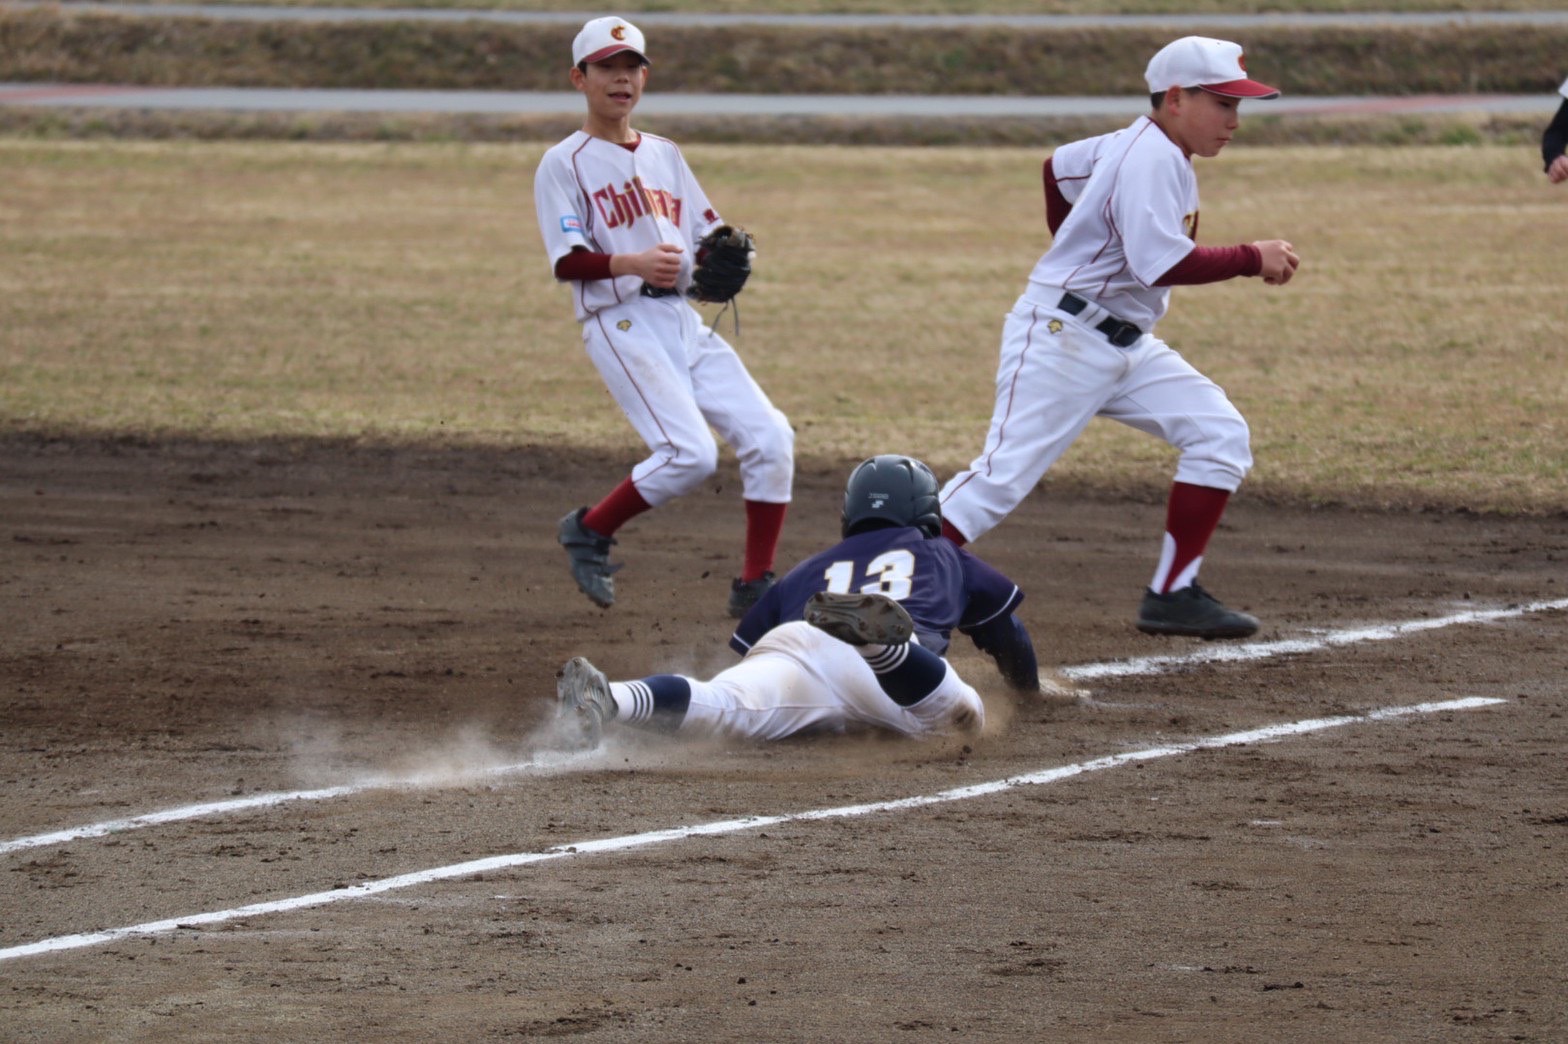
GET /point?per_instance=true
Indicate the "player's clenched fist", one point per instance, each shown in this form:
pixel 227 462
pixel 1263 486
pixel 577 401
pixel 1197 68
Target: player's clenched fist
pixel 657 266
pixel 1279 261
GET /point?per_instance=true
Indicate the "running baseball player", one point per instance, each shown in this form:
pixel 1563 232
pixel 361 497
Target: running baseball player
pixel 624 220
pixel 1079 342
pixel 1554 141
pixel 853 637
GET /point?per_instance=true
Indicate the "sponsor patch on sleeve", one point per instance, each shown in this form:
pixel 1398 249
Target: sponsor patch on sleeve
pixel 571 223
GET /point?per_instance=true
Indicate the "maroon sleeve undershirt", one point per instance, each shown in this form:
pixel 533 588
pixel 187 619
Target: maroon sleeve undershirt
pixel 583 265
pixel 1056 205
pixel 1212 264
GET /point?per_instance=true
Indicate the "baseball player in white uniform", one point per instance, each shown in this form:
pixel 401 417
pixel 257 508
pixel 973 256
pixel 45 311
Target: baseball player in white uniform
pixel 1554 140
pixel 1080 342
pixel 622 216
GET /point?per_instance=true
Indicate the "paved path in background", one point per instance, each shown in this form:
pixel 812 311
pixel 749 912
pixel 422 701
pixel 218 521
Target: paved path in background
pixel 264 12
pixel 236 99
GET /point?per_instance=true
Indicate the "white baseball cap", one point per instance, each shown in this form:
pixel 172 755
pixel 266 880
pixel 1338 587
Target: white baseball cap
pixel 603 37
pixel 1198 61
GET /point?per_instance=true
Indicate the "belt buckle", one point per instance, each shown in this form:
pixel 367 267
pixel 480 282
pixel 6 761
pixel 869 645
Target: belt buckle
pixel 1119 333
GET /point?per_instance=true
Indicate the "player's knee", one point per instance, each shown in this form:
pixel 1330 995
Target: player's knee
pixel 1221 459
pixel 691 465
pixel 1235 447
pixel 764 437
pixel 969 717
pixel 767 457
pixel 784 434
pixel 776 443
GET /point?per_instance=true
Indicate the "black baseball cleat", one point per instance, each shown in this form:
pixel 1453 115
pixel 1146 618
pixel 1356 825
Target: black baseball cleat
pixel 860 619
pixel 746 593
pixel 1193 613
pixel 589 553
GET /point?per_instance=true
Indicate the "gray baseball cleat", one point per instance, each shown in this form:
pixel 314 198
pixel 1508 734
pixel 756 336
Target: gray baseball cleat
pixel 589 553
pixel 1194 613
pixel 860 619
pixel 583 702
pixel 746 593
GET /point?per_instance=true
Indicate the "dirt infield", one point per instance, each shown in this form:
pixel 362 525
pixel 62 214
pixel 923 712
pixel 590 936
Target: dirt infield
pixel 194 623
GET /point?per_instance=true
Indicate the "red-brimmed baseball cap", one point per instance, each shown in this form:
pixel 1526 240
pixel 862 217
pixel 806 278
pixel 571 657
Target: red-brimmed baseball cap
pixel 603 37
pixel 1200 61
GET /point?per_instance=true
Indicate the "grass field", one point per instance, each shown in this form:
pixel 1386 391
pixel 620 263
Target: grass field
pixel 400 291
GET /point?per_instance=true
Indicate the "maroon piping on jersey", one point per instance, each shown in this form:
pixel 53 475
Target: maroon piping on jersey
pixel 588 224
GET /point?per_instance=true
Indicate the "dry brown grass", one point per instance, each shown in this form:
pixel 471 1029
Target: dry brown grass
pixel 400 291
pixel 75 46
pixel 1035 132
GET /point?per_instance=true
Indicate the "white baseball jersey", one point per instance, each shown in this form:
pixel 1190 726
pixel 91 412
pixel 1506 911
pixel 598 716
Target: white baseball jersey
pixel 1563 90
pixel 596 194
pixel 672 375
pixel 1135 212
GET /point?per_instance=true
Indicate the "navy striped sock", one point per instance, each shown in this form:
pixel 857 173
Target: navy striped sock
pixel 658 702
pixel 908 673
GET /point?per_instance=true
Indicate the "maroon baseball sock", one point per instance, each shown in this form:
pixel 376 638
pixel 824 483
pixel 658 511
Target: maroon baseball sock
pixel 622 505
pixel 764 523
pixel 949 531
pixel 1191 517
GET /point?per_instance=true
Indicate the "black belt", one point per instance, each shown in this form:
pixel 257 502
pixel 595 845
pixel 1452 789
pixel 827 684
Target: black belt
pixel 649 290
pixel 1122 335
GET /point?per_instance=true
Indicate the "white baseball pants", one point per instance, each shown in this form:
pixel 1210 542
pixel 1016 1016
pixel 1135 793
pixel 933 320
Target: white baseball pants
pixel 798 678
pixel 674 377
pixel 1056 375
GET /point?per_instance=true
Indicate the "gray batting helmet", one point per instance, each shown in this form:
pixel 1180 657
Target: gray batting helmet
pixel 892 490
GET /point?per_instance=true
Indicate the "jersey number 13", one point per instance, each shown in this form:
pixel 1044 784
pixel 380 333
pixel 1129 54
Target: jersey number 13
pixel 890 573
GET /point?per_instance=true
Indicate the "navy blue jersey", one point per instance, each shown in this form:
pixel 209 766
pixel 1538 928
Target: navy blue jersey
pixel 941 585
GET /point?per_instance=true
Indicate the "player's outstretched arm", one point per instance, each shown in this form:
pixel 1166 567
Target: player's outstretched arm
pixel 1005 640
pixel 1279 261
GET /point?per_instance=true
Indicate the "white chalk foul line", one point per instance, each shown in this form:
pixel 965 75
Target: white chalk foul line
pixel 173 815
pixel 275 798
pixel 725 826
pixel 1085 672
pixel 1287 647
